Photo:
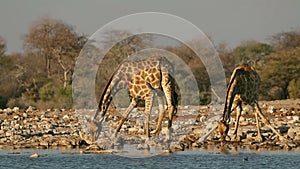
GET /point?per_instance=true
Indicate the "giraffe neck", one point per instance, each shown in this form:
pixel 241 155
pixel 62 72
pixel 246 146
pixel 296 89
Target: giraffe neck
pixel 230 94
pixel 105 98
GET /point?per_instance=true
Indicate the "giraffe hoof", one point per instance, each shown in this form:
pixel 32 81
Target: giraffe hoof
pixel 235 139
pixel 281 138
pixel 154 133
pixel 259 139
pixel 143 147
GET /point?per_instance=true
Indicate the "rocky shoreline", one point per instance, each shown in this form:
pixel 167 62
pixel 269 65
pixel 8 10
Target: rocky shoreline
pixel 59 128
pixel 38 129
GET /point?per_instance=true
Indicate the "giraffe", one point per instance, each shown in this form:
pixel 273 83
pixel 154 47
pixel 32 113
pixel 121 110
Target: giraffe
pixel 143 79
pixel 243 87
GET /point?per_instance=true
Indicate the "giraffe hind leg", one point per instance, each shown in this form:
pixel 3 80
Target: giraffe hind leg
pixel 259 137
pixel 148 107
pixel 161 115
pixel 266 121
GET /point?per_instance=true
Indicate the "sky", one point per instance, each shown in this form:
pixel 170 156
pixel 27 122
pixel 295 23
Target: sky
pixel 225 21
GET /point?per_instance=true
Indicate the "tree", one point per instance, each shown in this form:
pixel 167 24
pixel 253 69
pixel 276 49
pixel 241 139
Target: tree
pixel 9 87
pixel 198 70
pixel 251 51
pixel 54 40
pixel 46 67
pixel 281 71
pixel 2 46
pixel 286 40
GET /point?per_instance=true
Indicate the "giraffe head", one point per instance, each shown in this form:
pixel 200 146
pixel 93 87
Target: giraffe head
pixel 223 127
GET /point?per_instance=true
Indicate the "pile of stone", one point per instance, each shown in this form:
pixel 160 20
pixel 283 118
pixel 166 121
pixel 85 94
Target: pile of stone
pixel 285 119
pixel 53 128
pixel 33 128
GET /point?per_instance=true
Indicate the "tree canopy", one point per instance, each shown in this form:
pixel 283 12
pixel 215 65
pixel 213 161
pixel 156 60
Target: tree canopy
pixel 41 76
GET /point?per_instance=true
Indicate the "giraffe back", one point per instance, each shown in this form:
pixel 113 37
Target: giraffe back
pixel 243 87
pixel 139 77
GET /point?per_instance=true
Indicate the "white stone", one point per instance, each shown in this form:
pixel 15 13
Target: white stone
pixel 283 110
pixel 16 117
pixel 35 155
pixel 8 134
pixel 25 115
pixel 17 126
pixel 15 109
pixel 271 109
pixel 242 119
pixel 296 118
pixel 30 108
pixel 7 110
pixel 66 117
pixel 133 130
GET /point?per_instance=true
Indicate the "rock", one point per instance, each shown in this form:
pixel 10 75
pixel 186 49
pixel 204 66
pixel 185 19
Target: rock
pixel 296 118
pixel 30 109
pixel 242 119
pixel 64 142
pixel 93 147
pixel 16 117
pixel 291 132
pixel 16 109
pixel 66 117
pixel 44 143
pixel 35 155
pixel 283 110
pixel 271 109
pixel 25 115
pixel 8 134
pixel 133 130
pixel 297 138
pixel 8 110
pixel 143 147
pixel 283 129
pixel 17 126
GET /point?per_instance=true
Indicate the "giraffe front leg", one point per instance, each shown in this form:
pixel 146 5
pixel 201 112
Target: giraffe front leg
pixel 124 118
pixel 238 115
pixel 97 133
pixel 158 126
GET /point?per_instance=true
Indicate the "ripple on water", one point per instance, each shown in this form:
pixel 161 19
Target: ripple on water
pixel 187 159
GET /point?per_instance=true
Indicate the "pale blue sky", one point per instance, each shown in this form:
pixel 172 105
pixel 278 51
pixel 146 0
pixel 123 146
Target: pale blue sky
pixel 230 21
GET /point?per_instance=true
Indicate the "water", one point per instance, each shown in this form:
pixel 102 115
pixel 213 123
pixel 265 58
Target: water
pixel 188 159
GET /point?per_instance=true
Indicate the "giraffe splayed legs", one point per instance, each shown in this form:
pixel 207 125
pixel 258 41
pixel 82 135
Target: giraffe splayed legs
pixel 142 79
pixel 243 88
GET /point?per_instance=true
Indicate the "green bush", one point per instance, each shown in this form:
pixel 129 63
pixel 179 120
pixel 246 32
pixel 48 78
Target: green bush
pixel 47 92
pixel 294 89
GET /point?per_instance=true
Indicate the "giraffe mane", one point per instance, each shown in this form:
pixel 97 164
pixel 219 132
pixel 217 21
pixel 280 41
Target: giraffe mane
pixel 99 108
pixel 229 93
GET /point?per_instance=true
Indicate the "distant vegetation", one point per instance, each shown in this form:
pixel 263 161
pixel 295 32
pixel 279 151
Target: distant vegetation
pixel 41 76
